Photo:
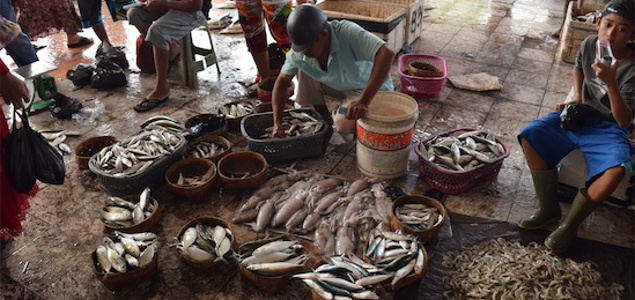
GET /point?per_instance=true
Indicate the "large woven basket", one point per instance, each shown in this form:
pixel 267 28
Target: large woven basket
pixel 122 185
pixel 455 182
pixel 282 149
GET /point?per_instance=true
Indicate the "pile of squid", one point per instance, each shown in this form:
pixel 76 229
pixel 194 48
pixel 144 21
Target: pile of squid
pixel 337 214
pixel 462 150
pixel 204 243
pixel 500 269
pixel 119 212
pixel 125 252
pixel 272 256
pixel 138 152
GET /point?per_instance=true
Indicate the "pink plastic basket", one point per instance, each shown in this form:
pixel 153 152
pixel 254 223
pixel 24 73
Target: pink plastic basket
pixel 455 182
pixel 421 86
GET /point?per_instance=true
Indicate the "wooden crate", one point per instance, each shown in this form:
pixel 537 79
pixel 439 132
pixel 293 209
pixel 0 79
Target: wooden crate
pixel 414 16
pixel 384 20
pixel 574 31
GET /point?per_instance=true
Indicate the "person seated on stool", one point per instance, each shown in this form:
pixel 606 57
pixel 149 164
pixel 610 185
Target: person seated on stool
pixel 164 23
pixel 338 59
pixel 602 138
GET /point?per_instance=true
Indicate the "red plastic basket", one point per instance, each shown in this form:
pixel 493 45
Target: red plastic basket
pixel 455 182
pixel 421 86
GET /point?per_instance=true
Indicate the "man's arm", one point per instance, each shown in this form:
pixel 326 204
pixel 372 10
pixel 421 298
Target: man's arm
pixel 279 96
pixel 381 69
pixel 620 110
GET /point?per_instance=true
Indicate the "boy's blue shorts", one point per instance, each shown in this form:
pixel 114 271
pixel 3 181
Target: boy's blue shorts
pixel 603 143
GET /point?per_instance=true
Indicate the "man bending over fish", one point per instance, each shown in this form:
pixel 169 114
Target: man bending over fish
pixel 604 86
pixel 338 59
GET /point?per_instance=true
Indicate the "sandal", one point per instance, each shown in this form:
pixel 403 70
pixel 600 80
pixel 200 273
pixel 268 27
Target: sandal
pixel 149 104
pixel 83 41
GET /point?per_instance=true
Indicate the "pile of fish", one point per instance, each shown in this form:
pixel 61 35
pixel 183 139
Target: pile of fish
pixel 462 150
pixel 272 256
pixel 137 152
pixel 165 122
pixel 204 243
pixel 396 253
pixel 126 252
pixel 56 139
pixel 337 214
pixel 119 212
pixel 418 216
pixel 345 277
pixel 205 149
pixel 297 124
pixel 236 110
pixel 500 269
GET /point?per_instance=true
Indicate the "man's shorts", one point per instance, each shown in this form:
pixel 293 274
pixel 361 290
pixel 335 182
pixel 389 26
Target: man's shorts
pixel 603 143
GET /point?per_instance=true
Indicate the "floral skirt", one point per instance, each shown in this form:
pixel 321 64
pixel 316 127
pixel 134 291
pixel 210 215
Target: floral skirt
pixel 39 18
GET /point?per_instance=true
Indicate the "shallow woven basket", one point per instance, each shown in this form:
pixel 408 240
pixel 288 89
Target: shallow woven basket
pixel 190 167
pixel 206 221
pixel 243 162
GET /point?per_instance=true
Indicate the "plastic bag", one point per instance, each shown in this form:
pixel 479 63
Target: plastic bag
pixel 89 116
pixel 113 54
pixel 574 114
pixel 81 74
pixel 21 166
pixel 64 107
pixel 49 164
pixel 108 75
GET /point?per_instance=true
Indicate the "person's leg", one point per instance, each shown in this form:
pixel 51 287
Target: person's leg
pixel 544 144
pixel 582 206
pixel 90 13
pixel 607 155
pixel 20 49
pixel 250 16
pixel 170 27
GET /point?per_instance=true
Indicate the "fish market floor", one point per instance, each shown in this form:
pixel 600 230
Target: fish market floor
pixel 505 38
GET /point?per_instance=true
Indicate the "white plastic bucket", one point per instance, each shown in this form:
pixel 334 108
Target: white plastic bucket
pixel 384 136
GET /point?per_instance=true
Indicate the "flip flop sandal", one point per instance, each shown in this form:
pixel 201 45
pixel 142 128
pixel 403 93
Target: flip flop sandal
pixel 149 104
pixel 83 41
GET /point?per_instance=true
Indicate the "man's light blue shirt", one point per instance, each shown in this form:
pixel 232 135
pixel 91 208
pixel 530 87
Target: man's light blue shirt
pixel 350 62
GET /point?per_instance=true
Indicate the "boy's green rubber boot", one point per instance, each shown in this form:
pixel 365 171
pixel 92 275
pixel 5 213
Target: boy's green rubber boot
pixel 559 240
pixel 546 186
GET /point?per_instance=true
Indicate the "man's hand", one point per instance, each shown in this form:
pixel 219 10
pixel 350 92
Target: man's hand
pixel 356 110
pixel 278 131
pixel 14 90
pixel 153 5
pixel 604 73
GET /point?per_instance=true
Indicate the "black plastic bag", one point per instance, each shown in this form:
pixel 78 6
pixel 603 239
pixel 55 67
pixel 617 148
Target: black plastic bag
pixel 64 107
pixel 113 54
pixel 108 75
pixel 21 166
pixel 49 163
pixel 202 125
pixel 574 114
pixel 80 76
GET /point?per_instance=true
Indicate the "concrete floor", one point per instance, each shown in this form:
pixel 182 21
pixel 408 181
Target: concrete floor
pixel 506 38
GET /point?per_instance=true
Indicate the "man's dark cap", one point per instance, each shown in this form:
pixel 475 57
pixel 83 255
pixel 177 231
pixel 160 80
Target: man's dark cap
pixel 622 8
pixel 304 25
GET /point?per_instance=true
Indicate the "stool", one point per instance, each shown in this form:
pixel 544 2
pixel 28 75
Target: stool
pixel 189 65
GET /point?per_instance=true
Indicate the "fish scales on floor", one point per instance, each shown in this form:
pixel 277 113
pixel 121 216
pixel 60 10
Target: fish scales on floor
pixel 337 213
pixel 462 150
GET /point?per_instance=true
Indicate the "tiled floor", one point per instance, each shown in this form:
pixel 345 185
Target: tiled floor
pixel 505 38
